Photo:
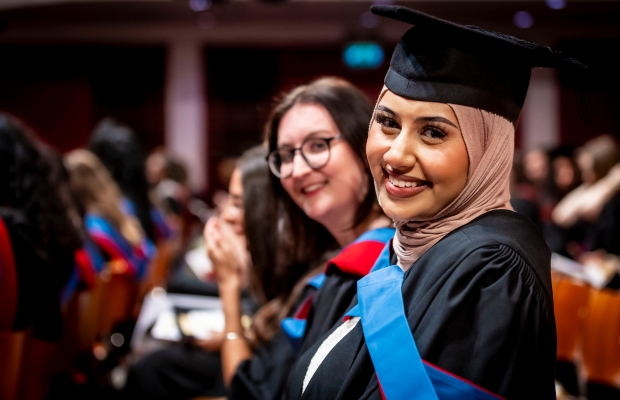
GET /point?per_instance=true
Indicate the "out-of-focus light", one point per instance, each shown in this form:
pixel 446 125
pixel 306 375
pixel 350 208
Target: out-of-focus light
pixel 199 5
pixel 206 20
pixel 369 20
pixel 523 19
pixel 100 352
pixel 556 4
pixel 117 339
pixel 363 55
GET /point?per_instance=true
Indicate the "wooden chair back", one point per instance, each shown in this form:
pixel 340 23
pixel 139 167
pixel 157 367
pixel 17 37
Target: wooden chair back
pixel 570 300
pixel 110 301
pixel 601 341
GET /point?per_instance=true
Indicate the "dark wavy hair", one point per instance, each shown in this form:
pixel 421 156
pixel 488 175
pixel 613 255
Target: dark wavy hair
pixel 33 181
pixel 259 223
pixel 117 147
pixel 303 244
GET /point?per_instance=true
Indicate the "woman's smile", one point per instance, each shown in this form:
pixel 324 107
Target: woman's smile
pixel 404 186
pixel 312 188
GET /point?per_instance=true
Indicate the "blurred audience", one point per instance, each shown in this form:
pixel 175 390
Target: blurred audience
pixel 246 220
pixel 594 204
pixel 117 234
pixel 118 148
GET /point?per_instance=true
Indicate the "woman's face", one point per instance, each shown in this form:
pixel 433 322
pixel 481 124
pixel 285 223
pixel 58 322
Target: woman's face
pixel 232 211
pixel 417 157
pixel 331 194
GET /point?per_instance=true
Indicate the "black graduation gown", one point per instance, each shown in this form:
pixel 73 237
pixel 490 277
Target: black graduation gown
pixel 479 304
pixel 330 304
pixel 263 376
pixel 266 375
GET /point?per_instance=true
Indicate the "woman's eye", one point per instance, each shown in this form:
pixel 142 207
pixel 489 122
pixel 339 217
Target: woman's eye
pixel 387 122
pixel 317 146
pixel 433 133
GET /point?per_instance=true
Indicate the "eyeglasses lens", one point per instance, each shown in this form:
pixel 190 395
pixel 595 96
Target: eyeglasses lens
pixel 314 151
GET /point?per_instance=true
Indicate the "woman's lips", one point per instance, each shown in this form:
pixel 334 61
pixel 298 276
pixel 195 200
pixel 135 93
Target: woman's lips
pixel 312 189
pixel 404 187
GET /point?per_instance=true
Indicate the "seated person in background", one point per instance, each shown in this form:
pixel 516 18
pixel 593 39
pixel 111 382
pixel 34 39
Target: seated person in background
pixel 323 192
pixel 43 241
pixel 168 179
pixel 181 371
pixel 120 152
pixel 595 203
pixel 118 235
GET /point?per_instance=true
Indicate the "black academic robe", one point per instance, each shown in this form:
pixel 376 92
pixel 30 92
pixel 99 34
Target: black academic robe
pixel 479 304
pixel 330 303
pixel 263 376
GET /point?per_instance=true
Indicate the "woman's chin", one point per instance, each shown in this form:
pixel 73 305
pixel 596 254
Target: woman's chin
pixel 398 211
pixel 316 213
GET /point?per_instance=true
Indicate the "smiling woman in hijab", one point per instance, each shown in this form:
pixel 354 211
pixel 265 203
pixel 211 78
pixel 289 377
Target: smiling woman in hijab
pixel 465 311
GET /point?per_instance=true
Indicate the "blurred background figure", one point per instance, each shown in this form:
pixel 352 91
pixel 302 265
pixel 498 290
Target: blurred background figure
pixel 247 217
pixel 594 203
pixel 167 178
pixel 116 146
pixel 118 235
pixel 38 249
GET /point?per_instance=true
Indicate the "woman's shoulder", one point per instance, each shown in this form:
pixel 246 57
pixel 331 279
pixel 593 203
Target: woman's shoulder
pixel 498 243
pixel 504 229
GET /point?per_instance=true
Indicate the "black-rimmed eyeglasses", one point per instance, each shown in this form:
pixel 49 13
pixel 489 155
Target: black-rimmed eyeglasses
pixel 314 150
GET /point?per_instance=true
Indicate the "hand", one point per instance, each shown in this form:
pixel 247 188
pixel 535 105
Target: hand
pixel 227 251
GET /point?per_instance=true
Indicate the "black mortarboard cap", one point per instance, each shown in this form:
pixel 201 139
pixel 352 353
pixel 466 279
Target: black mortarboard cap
pixel 440 61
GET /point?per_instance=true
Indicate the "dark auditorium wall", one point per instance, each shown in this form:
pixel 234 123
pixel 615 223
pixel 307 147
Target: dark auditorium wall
pixel 601 87
pixel 62 91
pixel 242 83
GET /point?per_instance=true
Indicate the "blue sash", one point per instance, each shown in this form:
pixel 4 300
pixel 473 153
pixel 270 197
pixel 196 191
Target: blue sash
pixel 399 367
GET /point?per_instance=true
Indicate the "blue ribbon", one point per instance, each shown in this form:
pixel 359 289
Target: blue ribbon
pixel 398 364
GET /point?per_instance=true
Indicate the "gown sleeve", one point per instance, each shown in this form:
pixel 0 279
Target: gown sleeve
pixel 262 377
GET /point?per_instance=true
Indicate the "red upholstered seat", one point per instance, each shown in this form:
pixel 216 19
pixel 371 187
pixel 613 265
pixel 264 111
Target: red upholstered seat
pixel 11 343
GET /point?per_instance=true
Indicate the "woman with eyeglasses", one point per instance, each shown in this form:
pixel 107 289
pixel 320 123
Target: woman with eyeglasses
pixel 323 190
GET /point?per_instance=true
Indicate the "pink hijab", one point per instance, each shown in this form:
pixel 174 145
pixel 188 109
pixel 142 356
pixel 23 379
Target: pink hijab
pixel 489 139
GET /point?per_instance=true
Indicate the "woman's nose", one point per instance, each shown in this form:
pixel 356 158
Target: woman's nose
pixel 300 166
pixel 401 154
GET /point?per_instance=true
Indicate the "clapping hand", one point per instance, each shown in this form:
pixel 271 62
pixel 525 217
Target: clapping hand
pixel 227 251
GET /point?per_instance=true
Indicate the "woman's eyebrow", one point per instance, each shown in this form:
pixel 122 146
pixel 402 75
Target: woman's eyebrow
pixel 436 119
pixel 318 133
pixel 385 109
